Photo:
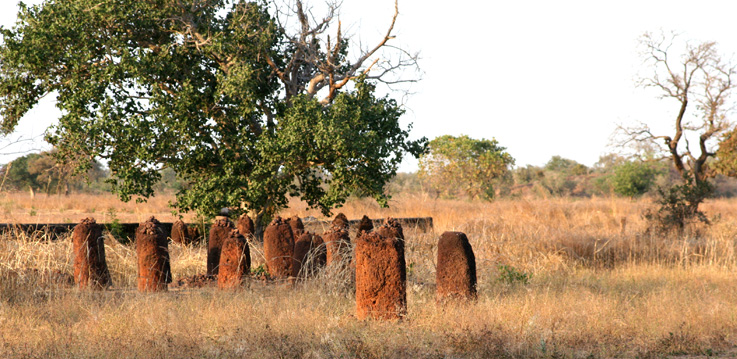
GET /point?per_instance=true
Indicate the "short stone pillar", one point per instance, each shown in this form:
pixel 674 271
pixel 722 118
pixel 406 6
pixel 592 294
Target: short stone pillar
pixel 381 278
pixel 365 226
pixel 341 221
pixel 245 225
pixel 219 231
pixel 393 229
pixel 180 233
pixel 456 268
pixel 279 248
pixel 337 245
pixel 152 248
pixel 309 254
pixel 235 261
pixel 298 228
pixel 90 266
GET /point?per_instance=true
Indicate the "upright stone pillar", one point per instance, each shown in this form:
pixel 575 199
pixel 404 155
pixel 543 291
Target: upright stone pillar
pixel 152 248
pixel 381 278
pixel 90 266
pixel 219 231
pixel 235 261
pixel 279 248
pixel 456 268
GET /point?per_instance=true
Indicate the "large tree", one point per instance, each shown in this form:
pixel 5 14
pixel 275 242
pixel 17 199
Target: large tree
pixel 698 82
pixel 249 102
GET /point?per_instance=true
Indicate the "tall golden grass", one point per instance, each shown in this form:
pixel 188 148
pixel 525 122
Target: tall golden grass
pixel 601 285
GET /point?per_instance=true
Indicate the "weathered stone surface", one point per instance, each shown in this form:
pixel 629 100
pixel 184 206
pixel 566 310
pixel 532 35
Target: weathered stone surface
pixel 365 226
pixel 235 261
pixel 298 228
pixel 381 289
pixel 337 245
pixel 341 222
pixel 393 229
pixel 152 248
pixel 245 225
pixel 90 266
pixel 219 231
pixel 309 254
pixel 180 233
pixel 279 248
pixel 456 268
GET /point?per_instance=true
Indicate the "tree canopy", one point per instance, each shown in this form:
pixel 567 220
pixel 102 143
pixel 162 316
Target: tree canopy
pixel 245 107
pixel 465 166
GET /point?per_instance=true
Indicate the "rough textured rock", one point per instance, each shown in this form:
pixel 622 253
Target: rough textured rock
pixel 298 228
pixel 456 269
pixel 245 225
pixel 279 248
pixel 365 226
pixel 193 231
pixel 90 266
pixel 309 254
pixel 392 229
pixel 337 245
pixel 235 261
pixel 154 268
pixel 180 233
pixel 381 287
pixel 341 222
pixel 219 231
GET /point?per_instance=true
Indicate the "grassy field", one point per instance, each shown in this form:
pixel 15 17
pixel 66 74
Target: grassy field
pixel 591 282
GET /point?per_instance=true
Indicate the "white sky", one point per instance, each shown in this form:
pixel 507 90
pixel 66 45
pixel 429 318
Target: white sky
pixel 542 77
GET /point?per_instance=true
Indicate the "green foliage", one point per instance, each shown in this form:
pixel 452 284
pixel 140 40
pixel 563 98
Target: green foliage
pixel 191 88
pixel 726 155
pixel 510 275
pixel 679 205
pixel 633 179
pixel 564 165
pixel 42 171
pixel 462 165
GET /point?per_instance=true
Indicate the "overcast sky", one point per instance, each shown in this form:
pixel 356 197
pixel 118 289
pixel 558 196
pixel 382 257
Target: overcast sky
pixel 542 77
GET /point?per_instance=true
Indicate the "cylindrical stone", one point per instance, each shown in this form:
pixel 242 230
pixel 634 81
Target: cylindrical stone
pixel 279 248
pixel 180 233
pixel 341 222
pixel 219 231
pixel 309 254
pixel 365 226
pixel 235 261
pixel 456 268
pixel 90 266
pixel 337 245
pixel 152 248
pixel 381 288
pixel 393 229
pixel 298 228
pixel 245 225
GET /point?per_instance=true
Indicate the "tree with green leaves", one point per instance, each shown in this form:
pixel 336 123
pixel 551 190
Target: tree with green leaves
pixel 463 166
pixel 634 179
pixel 246 104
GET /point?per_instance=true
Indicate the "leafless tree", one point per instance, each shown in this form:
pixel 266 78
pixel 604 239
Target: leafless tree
pixel 701 83
pixel 321 62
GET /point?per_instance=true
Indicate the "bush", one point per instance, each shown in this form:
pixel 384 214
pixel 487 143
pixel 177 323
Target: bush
pixel 679 205
pixel 633 179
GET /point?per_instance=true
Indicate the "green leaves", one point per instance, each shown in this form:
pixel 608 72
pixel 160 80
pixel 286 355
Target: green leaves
pixel 190 86
pixel 464 166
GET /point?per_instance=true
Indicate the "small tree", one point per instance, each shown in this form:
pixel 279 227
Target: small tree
pixel 633 179
pixel 464 166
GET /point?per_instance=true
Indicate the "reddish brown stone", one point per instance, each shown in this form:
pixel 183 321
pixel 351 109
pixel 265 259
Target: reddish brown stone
pixel 90 266
pixel 365 226
pixel 154 268
pixel 337 245
pixel 298 228
pixel 235 261
pixel 341 222
pixel 279 248
pixel 456 269
pixel 219 231
pixel 245 225
pixel 309 254
pixel 194 234
pixel 393 229
pixel 180 233
pixel 381 288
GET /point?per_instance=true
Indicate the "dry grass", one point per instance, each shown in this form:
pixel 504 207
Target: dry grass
pixel 600 287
